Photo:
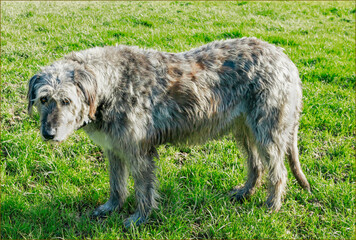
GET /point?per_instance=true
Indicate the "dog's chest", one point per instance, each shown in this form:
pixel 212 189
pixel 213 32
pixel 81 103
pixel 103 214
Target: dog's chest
pixel 101 139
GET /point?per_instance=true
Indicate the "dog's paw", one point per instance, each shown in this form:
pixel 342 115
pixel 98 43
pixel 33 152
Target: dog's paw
pixel 99 212
pixel 273 204
pixel 134 220
pixel 104 209
pixel 239 194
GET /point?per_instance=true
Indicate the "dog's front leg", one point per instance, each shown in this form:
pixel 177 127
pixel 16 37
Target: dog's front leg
pixel 118 186
pixel 142 170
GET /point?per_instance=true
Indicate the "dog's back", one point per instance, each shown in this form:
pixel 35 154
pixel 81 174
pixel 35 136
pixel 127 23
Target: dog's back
pixel 205 92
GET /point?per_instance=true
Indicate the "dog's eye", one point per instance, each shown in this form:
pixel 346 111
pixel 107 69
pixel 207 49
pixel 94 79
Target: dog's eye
pixel 43 100
pixel 65 102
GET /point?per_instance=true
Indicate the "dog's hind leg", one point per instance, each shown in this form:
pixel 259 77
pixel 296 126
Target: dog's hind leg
pixel 142 170
pixel 293 158
pixel 271 139
pixel 255 166
pixel 277 175
pixel 118 186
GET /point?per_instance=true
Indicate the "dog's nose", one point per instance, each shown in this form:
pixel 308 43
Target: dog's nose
pixel 48 136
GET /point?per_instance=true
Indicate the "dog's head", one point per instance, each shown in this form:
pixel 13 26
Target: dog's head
pixel 64 95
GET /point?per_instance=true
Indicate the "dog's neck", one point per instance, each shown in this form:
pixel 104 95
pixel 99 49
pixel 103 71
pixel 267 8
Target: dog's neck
pixel 84 124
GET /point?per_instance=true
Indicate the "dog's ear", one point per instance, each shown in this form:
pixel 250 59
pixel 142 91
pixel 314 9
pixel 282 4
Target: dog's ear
pixel 31 94
pixel 86 83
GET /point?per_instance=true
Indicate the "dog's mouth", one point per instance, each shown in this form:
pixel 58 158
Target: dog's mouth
pixel 53 140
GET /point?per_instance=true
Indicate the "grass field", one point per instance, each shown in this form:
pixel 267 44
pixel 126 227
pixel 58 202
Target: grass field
pixel 48 191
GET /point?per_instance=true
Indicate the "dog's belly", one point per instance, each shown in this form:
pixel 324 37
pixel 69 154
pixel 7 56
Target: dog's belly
pixel 209 129
pixel 204 133
pixel 198 130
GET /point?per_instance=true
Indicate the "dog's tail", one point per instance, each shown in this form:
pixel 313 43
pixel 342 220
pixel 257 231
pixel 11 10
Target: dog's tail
pixel 293 158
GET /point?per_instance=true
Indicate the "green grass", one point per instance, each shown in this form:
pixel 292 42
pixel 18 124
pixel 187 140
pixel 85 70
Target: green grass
pixel 48 191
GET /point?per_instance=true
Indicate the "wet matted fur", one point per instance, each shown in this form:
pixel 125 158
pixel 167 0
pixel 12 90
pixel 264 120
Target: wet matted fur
pixel 131 100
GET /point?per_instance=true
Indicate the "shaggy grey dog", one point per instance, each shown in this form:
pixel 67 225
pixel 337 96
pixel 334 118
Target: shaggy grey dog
pixel 131 100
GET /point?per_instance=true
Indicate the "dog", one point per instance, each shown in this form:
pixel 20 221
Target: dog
pixel 130 100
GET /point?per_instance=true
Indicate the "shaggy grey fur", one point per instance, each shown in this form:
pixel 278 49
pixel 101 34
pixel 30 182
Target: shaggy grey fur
pixel 131 100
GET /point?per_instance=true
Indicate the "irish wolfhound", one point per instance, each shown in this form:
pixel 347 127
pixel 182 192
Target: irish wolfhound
pixel 131 100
